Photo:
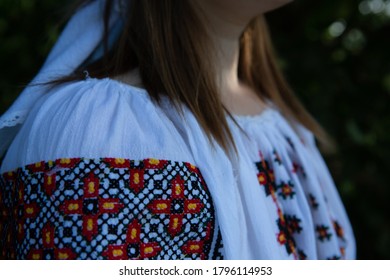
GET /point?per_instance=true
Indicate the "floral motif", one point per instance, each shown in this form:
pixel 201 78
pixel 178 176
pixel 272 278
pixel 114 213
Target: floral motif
pixel 323 233
pixel 288 225
pixel 107 208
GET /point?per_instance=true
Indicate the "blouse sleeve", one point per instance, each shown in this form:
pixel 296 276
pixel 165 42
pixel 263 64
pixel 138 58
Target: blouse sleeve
pixel 331 194
pixel 97 173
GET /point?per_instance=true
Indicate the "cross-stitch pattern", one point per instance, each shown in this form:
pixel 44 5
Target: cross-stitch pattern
pixel 107 209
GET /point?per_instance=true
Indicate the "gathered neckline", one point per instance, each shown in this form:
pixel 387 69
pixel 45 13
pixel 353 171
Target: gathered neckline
pixel 267 115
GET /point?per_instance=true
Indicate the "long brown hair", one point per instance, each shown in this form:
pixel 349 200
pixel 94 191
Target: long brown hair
pixel 169 44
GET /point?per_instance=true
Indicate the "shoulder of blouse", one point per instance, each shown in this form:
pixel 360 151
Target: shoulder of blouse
pixel 95 118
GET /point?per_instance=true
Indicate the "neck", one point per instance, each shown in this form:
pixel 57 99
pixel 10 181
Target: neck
pixel 225 27
pixel 237 97
pixel 225 35
pixel 226 62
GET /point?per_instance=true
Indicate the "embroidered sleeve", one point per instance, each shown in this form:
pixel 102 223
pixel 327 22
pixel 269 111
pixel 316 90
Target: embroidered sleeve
pixel 108 208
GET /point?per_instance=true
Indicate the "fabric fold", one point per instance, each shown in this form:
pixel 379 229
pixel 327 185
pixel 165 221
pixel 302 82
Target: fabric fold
pixel 81 36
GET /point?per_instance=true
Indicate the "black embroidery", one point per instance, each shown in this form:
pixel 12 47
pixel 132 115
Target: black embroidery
pixel 107 209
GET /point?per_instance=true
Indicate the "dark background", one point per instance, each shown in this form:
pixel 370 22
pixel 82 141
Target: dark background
pixel 336 56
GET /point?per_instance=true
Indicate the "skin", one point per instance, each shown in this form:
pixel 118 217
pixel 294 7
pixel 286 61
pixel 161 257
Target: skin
pixel 226 20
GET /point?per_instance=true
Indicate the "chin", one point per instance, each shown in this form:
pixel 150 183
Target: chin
pixel 269 5
pixel 239 10
pixel 251 7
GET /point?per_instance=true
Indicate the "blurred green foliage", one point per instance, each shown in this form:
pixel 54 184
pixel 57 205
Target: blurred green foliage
pixel 335 55
pixel 28 28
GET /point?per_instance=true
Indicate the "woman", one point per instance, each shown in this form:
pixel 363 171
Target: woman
pixel 164 130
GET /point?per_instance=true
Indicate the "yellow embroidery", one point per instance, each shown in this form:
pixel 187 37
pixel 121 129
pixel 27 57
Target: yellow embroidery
pixel 73 207
pixel 91 187
pixel 148 250
pixel 177 189
pixel 90 225
pixel 136 178
pixel 154 161
pixel 47 237
pixel 65 161
pixel 175 223
pixel 133 233
pixel 63 256
pixel 161 206
pixel 117 252
pixel 108 205
pixel 194 247
pixel 192 206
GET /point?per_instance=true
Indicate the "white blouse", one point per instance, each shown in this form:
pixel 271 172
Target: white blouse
pixel 102 172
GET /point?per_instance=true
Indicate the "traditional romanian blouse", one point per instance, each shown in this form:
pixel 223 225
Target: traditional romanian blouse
pixel 99 171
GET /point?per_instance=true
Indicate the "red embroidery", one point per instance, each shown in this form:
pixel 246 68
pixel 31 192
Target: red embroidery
pixel 67 162
pixel 286 190
pixel 118 162
pixel 30 211
pixel 134 248
pixel 323 232
pixel 287 224
pixel 133 232
pixel 72 207
pixel 194 169
pixel 48 236
pixel 91 187
pixel 49 250
pixel 339 230
pixel 342 251
pixel 49 184
pixel 197 246
pixel 136 180
pixel 37 167
pixel 115 252
pixel 193 247
pixel 262 177
pixel 152 163
pixel 10 176
pixel 91 206
pixel 176 207
pixel 149 250
pixel 90 202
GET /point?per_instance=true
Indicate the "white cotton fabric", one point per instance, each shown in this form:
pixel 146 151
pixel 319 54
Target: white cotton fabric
pixel 105 118
pixel 81 36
